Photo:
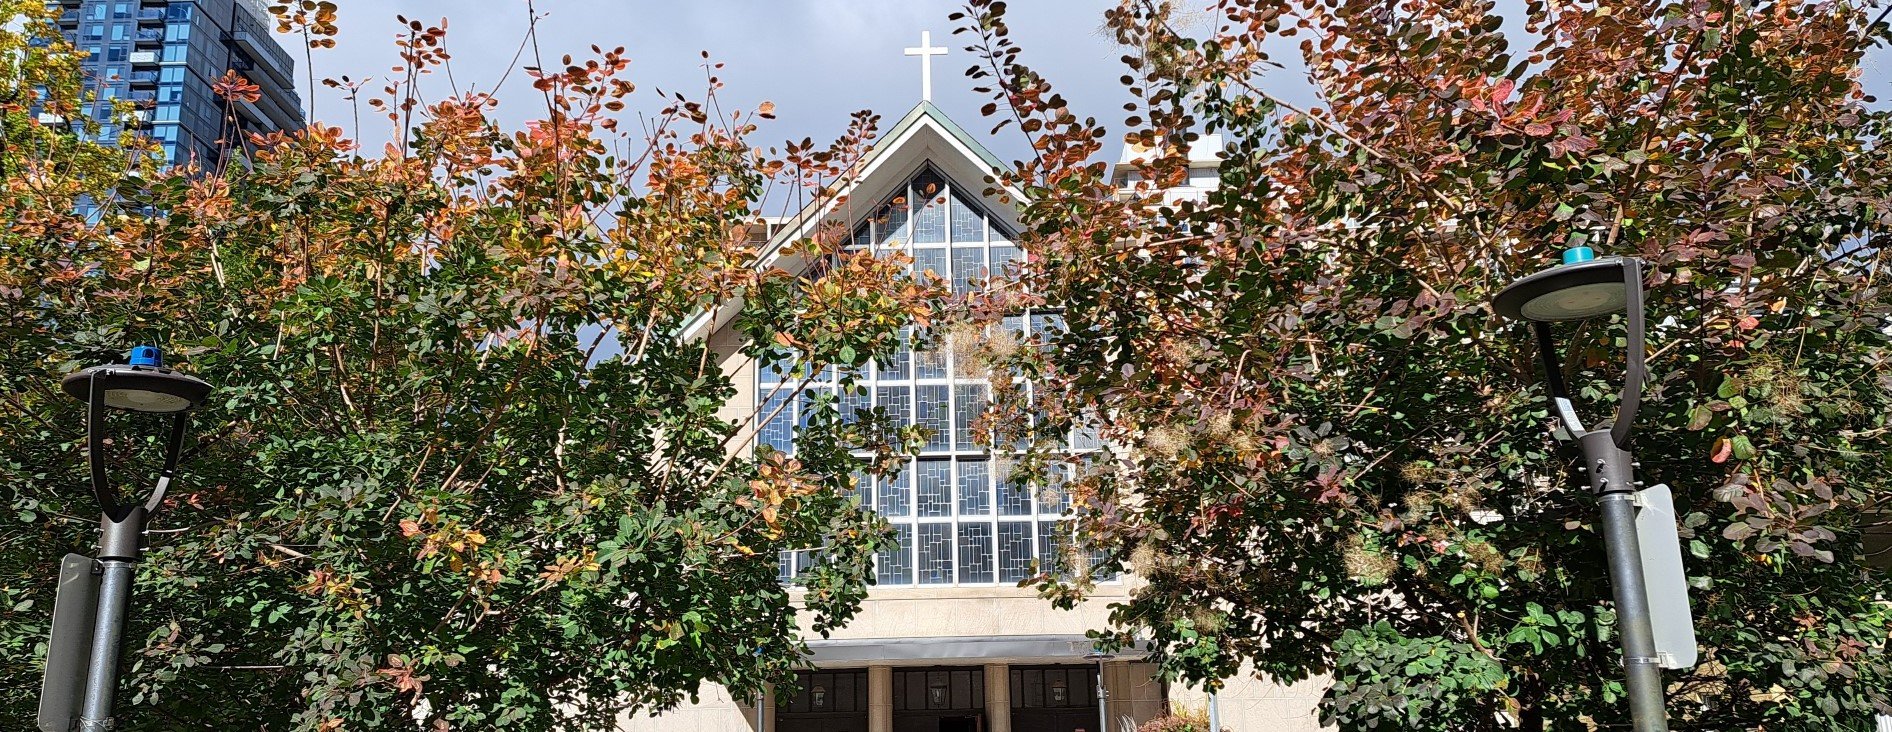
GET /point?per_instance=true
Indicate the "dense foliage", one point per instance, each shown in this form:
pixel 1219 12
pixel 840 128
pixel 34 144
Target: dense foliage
pixel 1326 455
pixel 463 464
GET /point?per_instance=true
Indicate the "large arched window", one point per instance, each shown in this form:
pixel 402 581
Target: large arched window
pixel 958 516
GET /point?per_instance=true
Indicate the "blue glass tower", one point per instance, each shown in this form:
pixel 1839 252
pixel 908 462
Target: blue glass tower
pixel 164 55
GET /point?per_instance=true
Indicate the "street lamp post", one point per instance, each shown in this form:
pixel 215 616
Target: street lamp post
pixel 1103 694
pixel 1585 287
pixel 82 668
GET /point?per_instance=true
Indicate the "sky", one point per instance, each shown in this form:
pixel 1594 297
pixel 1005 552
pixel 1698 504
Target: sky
pixel 817 60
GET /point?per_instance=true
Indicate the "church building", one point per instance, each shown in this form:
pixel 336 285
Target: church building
pixel 947 641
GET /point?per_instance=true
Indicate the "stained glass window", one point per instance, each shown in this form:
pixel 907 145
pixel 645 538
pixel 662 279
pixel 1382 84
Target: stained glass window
pixel 959 514
pixel 934 479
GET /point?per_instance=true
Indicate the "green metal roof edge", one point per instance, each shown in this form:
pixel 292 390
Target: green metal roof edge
pixel 928 109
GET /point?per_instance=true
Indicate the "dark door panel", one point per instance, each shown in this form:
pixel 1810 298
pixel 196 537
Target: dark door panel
pixel 1054 720
pixel 847 723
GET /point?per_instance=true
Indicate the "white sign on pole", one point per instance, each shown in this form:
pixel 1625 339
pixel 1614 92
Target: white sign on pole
pixel 1664 578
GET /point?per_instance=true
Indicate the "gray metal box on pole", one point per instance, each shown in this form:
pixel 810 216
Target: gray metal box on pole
pixel 1663 577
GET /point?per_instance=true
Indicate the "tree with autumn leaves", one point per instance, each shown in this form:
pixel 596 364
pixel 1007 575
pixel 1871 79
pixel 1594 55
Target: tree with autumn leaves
pixel 462 465
pixel 1325 455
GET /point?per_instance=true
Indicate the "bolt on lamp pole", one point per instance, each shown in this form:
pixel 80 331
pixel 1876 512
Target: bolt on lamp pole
pixel 141 385
pixel 1584 287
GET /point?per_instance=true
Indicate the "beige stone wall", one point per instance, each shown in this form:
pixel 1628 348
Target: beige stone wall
pixel 1136 695
pixel 714 712
pixel 1251 704
pixel 726 350
pixel 930 612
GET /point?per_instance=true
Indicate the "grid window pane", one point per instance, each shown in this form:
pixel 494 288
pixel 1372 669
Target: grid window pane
pixel 975 553
pixel 934 412
pixel 894 565
pixel 968 265
pixel 897 401
pixel 935 546
pixel 968 406
pixel 934 487
pixel 895 496
pixel 855 401
pixel 1085 438
pixel 1015 551
pixel 1045 324
pixel 1003 255
pixel 968 225
pixel 929 222
pixel 930 363
pixel 899 365
pixel 1101 560
pixel 816 402
pixel 975 487
pixel 1054 497
pixel 1051 543
pixel 779 368
pixel 1014 496
pixel 931 263
pixel 893 225
pixel 778 431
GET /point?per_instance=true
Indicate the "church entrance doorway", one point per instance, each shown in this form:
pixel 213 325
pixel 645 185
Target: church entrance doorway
pixel 939 700
pixel 825 701
pixel 1054 698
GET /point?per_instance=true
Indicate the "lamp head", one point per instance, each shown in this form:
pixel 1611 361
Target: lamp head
pixel 1581 288
pixel 143 385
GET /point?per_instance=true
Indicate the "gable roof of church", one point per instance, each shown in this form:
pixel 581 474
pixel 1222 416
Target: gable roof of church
pixel 925 135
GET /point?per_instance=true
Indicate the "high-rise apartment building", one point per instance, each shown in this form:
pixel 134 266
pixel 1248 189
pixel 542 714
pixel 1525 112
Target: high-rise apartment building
pixel 164 56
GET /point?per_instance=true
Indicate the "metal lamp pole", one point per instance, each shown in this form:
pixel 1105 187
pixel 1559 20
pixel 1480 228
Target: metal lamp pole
pixel 95 595
pixel 1585 287
pixel 1103 694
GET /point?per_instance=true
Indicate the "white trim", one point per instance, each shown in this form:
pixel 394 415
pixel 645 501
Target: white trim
pixel 1051 648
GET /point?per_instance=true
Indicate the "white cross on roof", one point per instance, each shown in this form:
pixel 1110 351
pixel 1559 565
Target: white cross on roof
pixel 926 51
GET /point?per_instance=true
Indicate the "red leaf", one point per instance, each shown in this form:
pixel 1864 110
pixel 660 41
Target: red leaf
pixel 1500 93
pixel 1723 448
